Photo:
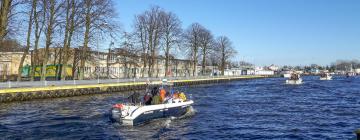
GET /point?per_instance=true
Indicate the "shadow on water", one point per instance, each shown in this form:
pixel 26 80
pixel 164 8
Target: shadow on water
pixel 252 109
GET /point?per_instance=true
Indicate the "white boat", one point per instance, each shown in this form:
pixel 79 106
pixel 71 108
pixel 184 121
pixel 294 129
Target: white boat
pixel 287 75
pixel 138 114
pixel 294 79
pixel 350 74
pixel 294 82
pixel 325 76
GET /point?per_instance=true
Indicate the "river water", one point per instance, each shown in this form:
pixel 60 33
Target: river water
pixel 252 109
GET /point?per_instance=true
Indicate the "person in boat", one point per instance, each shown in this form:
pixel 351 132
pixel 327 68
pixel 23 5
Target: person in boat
pixel 147 98
pixel 162 94
pixel 154 91
pixel 182 96
pixel 156 100
pixel 134 98
pixel 176 95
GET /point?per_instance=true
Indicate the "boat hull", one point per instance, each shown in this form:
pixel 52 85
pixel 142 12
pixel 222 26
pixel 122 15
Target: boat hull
pixel 147 113
pixel 326 78
pixel 294 82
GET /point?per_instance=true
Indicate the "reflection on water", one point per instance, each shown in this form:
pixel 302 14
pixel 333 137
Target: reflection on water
pixel 262 108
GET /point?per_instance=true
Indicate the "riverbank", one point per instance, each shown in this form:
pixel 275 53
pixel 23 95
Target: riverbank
pixel 54 91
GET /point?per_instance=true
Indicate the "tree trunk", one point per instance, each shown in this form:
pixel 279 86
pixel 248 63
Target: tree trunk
pixel 203 64
pixel 195 61
pixel 167 55
pixel 4 15
pixel 37 31
pixel 108 64
pixel 48 38
pixel 26 51
pixel 86 38
pixel 223 60
pixel 69 31
pixel 64 62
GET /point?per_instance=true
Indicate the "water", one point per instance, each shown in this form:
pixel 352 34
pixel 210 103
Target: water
pixel 253 109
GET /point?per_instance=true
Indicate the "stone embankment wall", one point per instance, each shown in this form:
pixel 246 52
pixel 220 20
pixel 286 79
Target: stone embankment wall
pixel 23 94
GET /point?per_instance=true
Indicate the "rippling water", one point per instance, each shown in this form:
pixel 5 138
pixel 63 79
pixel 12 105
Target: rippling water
pixel 253 109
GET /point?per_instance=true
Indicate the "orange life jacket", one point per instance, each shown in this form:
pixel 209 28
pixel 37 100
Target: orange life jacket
pixel 162 94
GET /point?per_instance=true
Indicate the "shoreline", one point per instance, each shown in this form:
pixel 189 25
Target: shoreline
pixel 30 93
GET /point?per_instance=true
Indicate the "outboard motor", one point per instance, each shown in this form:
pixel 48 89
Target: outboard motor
pixel 118 111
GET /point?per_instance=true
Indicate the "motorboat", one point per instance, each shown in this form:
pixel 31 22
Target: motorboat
pixel 294 82
pixel 325 76
pixel 287 75
pixel 138 114
pixel 350 74
pixel 294 79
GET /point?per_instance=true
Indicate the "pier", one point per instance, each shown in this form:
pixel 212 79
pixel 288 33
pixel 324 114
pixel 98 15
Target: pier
pixel 57 89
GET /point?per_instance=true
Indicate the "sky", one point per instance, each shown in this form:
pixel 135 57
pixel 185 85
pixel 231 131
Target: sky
pixel 264 32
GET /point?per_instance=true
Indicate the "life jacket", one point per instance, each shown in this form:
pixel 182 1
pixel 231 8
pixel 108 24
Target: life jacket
pixel 182 96
pixel 176 95
pixel 162 95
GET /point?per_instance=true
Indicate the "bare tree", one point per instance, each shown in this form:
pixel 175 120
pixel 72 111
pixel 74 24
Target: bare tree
pixel 206 45
pixel 27 48
pixel 9 9
pixel 149 30
pixel 98 20
pixel 226 51
pixel 71 23
pixel 193 39
pixel 171 26
pixel 51 8
pixel 4 17
pixel 39 23
pixel 141 37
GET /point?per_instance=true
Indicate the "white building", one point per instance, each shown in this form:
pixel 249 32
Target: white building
pixel 273 67
pixel 264 72
pixel 232 72
pixel 357 71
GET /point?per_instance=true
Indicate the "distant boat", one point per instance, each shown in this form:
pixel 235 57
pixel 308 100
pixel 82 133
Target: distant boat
pixel 294 79
pixel 287 75
pixel 350 74
pixel 325 76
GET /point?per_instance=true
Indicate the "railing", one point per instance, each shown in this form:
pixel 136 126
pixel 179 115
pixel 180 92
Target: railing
pixel 24 84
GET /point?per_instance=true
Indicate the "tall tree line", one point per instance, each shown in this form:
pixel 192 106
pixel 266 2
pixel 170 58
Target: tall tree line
pixel 157 35
pixel 50 21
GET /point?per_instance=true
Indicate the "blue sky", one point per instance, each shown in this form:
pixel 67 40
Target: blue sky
pixel 282 32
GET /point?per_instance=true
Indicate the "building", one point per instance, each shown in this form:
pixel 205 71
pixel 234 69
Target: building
pixel 273 68
pixel 233 72
pixel 264 72
pixel 118 63
pixel 357 70
pixel 9 63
